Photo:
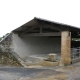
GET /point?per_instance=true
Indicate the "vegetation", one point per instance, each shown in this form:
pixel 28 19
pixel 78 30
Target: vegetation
pixel 75 39
pixel 3 36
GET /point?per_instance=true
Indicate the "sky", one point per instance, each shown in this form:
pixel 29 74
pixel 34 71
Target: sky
pixel 14 13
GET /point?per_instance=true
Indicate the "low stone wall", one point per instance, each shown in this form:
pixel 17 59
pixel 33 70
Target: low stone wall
pixel 6 50
pixel 48 63
pixel 8 59
pixel 6 45
pixel 75 60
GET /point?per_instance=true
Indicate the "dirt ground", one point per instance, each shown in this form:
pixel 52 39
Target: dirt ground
pixel 71 72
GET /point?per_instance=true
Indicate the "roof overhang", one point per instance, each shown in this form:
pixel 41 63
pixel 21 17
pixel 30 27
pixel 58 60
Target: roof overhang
pixel 37 22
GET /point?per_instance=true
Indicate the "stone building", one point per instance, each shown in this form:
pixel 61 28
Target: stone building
pixel 33 41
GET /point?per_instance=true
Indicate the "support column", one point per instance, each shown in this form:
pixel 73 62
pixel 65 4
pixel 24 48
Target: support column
pixel 65 47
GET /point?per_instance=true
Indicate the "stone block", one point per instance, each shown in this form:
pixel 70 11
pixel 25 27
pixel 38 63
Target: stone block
pixel 52 57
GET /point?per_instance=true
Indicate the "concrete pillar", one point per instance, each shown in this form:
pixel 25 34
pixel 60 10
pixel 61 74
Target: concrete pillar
pixel 65 47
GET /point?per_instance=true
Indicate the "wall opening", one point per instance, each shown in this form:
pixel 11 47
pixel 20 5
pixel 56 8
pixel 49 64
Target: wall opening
pixel 28 47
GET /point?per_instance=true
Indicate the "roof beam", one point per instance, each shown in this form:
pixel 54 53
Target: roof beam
pixel 43 34
pixel 29 30
pixel 51 26
pixel 75 36
pixel 40 29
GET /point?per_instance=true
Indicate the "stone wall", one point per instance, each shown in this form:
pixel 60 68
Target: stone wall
pixel 6 45
pixel 8 59
pixel 7 50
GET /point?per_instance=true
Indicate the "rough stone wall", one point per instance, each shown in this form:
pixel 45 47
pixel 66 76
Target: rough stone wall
pixel 7 51
pixel 8 59
pixel 6 45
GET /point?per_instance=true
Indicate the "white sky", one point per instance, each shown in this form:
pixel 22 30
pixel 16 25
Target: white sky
pixel 14 13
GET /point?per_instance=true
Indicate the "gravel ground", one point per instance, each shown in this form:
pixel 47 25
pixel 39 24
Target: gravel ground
pixel 71 72
pixel 75 72
pixel 18 73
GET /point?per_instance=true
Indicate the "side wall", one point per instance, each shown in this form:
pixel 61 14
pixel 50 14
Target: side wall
pixel 6 45
pixel 7 51
pixel 26 46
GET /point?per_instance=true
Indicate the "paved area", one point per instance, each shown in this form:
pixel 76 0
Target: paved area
pixel 18 73
pixel 71 72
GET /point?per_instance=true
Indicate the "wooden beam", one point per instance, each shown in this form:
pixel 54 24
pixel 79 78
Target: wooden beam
pixel 43 34
pixel 29 30
pixel 36 31
pixel 51 26
pixel 75 36
pixel 40 29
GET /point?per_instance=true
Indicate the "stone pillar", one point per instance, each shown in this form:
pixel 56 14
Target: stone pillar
pixel 65 47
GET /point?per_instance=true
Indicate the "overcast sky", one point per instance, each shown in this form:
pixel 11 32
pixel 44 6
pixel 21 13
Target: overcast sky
pixel 14 13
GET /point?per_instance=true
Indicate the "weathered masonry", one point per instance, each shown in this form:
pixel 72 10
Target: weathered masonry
pixel 35 40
